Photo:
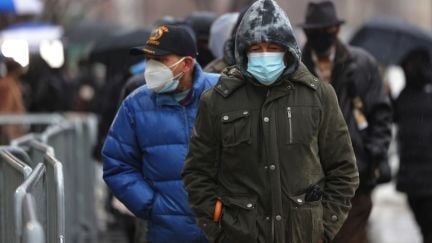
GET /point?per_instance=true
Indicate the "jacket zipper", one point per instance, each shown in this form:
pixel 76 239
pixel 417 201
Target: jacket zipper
pixel 289 123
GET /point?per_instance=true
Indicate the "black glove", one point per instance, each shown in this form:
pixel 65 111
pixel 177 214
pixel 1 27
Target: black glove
pixel 383 172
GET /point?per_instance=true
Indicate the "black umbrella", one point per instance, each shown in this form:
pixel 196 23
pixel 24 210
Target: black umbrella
pixel 390 39
pixel 114 50
pixel 88 31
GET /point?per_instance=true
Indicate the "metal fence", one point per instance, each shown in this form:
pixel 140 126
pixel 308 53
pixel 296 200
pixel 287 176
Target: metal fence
pixel 13 172
pixel 33 231
pixel 41 153
pixel 63 152
pixel 34 186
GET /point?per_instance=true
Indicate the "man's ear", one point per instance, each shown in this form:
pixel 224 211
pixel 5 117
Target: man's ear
pixel 189 64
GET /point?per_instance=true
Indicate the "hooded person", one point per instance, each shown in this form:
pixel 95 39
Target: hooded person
pixel 228 49
pixel 220 31
pixel 413 115
pixel 270 159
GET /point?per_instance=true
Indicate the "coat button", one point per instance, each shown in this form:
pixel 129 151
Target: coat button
pixel 245 113
pixel 226 118
pixel 278 218
pixel 266 119
pixel 249 205
pixel 299 200
pixel 272 167
pixel 334 218
pixel 267 218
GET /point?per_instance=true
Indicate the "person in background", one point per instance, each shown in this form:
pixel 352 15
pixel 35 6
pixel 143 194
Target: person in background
pixel 11 100
pixel 228 58
pixel 145 149
pixel 354 75
pixel 220 31
pixel 413 115
pixel 270 159
pixel 201 21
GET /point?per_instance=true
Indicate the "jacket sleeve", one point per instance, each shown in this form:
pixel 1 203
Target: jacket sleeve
pixel 122 165
pixel 338 162
pixel 378 111
pixel 200 169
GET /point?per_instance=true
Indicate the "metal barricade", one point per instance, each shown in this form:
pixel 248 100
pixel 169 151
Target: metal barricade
pixel 62 138
pixel 31 119
pixel 13 172
pixel 33 231
pixel 24 144
pixel 86 136
pixel 34 184
pixel 39 152
pixel 66 142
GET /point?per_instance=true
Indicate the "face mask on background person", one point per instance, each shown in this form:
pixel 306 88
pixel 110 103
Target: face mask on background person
pixel 321 41
pixel 160 78
pixel 266 67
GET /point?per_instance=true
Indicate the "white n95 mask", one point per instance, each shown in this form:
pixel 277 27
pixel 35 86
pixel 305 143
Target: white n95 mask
pixel 159 77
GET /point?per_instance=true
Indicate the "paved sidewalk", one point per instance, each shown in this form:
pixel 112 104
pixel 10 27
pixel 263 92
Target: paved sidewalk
pixel 391 220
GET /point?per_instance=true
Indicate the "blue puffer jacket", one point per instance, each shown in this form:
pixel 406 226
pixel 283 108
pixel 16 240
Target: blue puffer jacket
pixel 143 157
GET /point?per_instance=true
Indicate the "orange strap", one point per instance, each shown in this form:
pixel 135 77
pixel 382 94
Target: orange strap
pixel 217 214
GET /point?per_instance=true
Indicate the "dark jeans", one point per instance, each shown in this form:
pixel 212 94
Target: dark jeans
pixel 354 230
pixel 422 209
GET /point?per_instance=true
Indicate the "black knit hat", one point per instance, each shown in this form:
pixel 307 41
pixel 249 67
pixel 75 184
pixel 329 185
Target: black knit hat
pixel 168 39
pixel 320 15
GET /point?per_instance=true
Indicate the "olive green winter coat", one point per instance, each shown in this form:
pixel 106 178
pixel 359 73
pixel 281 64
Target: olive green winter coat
pixel 261 149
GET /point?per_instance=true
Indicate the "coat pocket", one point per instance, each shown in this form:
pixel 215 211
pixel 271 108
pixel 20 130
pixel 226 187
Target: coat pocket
pixel 305 221
pixel 301 124
pixel 236 128
pixel 239 219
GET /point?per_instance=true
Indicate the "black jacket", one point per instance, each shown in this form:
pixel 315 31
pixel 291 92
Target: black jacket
pixel 355 73
pixel 413 112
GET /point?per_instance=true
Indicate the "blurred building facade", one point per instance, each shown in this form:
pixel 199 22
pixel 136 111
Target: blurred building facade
pixel 139 13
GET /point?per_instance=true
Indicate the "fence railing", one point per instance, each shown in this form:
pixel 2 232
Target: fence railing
pixel 34 185
pixel 13 172
pixel 61 157
pixel 33 231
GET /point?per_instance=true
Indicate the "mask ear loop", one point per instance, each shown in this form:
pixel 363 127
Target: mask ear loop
pixel 180 75
pixel 177 63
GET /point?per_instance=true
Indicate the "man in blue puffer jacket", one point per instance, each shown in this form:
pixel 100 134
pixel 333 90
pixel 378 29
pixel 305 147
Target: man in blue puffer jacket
pixel 148 141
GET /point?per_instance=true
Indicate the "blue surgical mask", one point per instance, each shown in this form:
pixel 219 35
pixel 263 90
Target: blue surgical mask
pixel 169 87
pixel 266 67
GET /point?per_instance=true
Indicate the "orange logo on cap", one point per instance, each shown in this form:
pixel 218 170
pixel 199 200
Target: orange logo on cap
pixel 156 35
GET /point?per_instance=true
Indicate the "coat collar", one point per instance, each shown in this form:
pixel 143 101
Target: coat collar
pixel 197 88
pixel 232 79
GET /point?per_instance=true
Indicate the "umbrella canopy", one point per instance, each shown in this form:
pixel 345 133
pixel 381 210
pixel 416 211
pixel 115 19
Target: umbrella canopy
pixel 117 46
pixel 20 40
pixel 113 51
pixel 21 7
pixel 89 31
pixel 389 39
pixel 32 32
